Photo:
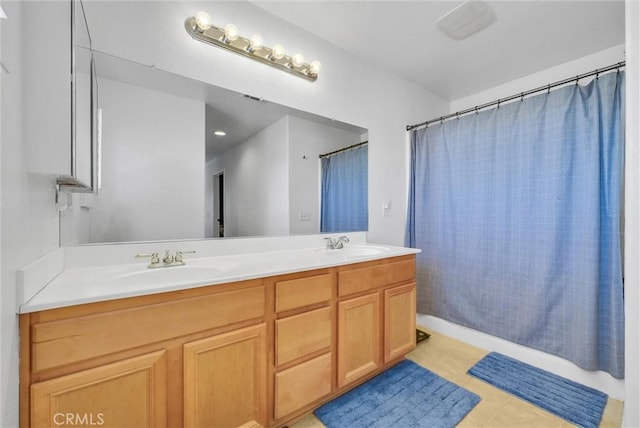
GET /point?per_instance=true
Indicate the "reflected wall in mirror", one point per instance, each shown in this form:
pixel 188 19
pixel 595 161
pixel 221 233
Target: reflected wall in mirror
pixel 166 175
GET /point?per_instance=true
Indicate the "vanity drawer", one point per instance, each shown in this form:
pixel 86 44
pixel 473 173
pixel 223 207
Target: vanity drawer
pixel 303 334
pixel 376 275
pixel 297 293
pixel 303 384
pixel 57 343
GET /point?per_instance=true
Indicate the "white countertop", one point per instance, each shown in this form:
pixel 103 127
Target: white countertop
pixel 74 286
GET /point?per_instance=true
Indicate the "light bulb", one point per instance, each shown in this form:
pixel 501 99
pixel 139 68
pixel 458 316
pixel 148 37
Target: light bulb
pixel 203 21
pixel 230 32
pixel 255 42
pixel 297 60
pixel 220 133
pixel 277 51
pixel 315 67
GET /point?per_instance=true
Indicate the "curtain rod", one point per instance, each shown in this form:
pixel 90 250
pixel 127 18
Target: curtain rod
pixel 521 95
pixel 344 149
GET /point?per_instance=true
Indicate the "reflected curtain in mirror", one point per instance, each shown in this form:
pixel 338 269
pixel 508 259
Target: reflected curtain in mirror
pixel 517 212
pixel 344 202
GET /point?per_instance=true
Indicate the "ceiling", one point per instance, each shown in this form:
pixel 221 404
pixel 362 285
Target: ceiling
pixel 401 36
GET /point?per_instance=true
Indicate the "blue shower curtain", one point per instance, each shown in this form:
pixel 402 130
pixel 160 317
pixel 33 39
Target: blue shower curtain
pixel 517 211
pixel 344 202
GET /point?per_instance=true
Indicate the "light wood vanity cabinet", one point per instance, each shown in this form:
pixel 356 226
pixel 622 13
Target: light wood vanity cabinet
pixel 303 341
pixel 263 352
pixel 399 321
pixel 129 392
pixel 376 321
pixel 186 358
pixel 225 379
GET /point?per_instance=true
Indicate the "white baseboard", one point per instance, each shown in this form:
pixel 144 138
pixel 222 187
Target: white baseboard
pixel 599 380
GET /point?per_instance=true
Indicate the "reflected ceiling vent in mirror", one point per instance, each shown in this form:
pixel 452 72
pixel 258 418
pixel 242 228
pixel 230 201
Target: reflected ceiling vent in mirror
pixel 467 19
pixel 228 37
pixel 251 97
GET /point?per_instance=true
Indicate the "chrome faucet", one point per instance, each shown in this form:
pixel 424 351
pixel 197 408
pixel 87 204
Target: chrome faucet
pixel 167 261
pixel 336 243
pixel 168 258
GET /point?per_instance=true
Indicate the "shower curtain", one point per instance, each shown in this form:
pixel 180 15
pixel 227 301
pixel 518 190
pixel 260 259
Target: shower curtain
pixel 517 211
pixel 343 200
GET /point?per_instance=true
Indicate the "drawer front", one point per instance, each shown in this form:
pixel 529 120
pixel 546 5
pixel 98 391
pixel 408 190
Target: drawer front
pixel 301 292
pixel 302 335
pixel 63 342
pixel 303 384
pixel 370 277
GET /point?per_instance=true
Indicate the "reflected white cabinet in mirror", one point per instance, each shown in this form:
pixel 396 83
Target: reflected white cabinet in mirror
pixel 83 174
pixel 61 131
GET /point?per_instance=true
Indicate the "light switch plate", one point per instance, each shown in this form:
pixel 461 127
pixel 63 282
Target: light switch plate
pixel 304 216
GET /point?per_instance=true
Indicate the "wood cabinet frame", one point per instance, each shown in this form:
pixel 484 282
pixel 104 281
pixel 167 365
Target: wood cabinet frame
pixel 169 323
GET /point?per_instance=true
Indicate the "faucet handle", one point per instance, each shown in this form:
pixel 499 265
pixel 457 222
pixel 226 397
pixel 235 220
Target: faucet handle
pixel 155 258
pixel 341 241
pixel 330 243
pixel 178 257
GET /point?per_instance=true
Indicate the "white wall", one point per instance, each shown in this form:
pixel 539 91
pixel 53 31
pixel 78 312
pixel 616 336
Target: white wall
pixel 308 140
pixel 347 88
pixel 600 59
pixel 632 216
pixel 599 380
pixel 153 153
pixel 256 180
pixel 29 220
pixel 6 329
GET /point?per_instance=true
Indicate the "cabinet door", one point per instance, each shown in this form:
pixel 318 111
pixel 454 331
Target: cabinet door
pixel 131 392
pixel 399 321
pixel 358 337
pixel 225 379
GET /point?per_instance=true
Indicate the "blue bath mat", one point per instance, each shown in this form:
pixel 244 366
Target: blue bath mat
pixel 570 400
pixel 406 395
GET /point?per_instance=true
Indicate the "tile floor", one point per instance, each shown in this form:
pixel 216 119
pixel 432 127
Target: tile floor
pixel 451 359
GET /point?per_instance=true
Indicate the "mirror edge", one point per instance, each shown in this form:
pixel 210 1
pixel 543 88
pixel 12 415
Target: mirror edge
pixel 70 183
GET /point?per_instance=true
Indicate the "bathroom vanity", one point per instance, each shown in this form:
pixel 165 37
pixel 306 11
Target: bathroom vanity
pixel 253 351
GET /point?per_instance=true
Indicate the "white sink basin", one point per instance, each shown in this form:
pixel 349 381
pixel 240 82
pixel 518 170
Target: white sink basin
pixel 355 251
pixel 157 276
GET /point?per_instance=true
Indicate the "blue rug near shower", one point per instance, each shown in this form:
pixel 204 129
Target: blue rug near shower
pixel 406 395
pixel 569 400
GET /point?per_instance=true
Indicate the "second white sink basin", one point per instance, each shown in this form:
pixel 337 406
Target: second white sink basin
pixel 186 273
pixel 358 251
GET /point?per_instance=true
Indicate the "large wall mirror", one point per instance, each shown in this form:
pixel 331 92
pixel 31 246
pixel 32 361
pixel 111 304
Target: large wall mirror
pixel 166 172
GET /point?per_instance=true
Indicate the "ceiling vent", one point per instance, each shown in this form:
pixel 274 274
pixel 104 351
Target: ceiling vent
pixel 467 19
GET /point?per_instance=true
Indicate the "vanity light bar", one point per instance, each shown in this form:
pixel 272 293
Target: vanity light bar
pixel 199 28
